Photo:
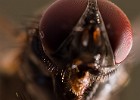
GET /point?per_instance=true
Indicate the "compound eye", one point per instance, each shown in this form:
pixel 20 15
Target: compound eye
pixel 60 18
pixel 118 28
pixel 58 21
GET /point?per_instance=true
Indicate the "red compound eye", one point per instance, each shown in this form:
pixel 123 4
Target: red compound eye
pixel 60 18
pixel 58 21
pixel 118 28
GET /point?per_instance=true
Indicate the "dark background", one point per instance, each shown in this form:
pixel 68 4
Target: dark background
pixel 17 10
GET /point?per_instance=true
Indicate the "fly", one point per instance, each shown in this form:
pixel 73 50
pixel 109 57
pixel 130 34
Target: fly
pixel 72 54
